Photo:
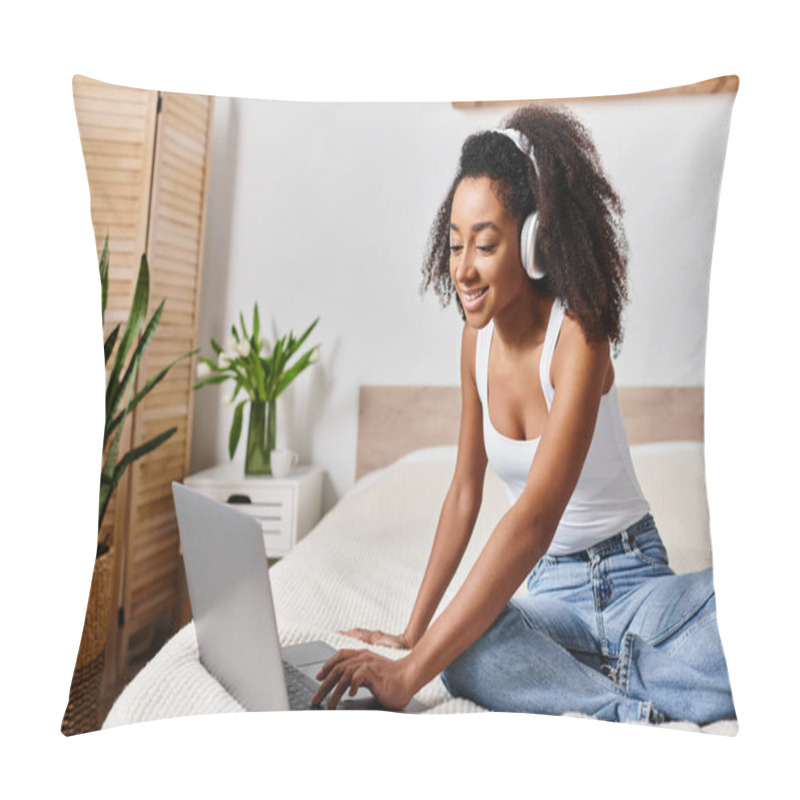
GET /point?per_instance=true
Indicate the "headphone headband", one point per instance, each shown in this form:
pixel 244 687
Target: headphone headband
pixel 522 142
pixel 527 245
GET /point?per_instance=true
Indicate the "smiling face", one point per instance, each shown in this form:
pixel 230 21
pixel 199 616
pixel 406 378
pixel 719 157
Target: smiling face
pixel 484 252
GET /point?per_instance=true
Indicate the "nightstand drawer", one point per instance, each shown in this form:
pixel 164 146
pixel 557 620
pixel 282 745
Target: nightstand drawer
pixel 287 508
pixel 272 506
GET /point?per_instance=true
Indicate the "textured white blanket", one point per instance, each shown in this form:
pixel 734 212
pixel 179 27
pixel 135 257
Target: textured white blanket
pixel 361 566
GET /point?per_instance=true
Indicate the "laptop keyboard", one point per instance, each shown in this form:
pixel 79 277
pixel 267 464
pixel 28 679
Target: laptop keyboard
pixel 299 687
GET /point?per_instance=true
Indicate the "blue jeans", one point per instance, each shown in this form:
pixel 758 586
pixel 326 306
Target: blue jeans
pixel 611 632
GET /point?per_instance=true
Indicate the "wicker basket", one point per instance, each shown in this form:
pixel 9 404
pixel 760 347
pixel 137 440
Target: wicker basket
pixel 81 715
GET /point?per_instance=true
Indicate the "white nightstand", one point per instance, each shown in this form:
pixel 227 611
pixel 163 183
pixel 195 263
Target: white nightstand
pixel 288 508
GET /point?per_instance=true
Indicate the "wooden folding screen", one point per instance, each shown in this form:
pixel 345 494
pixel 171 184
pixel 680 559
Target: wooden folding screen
pixel 147 162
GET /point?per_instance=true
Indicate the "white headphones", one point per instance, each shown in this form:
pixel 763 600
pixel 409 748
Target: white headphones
pixel 527 243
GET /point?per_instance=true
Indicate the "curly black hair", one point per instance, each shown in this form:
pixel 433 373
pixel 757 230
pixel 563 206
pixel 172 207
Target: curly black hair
pixel 580 242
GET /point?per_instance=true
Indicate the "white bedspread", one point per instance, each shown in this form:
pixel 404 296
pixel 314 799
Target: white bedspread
pixel 361 566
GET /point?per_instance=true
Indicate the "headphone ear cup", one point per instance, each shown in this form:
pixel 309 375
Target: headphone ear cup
pixel 527 246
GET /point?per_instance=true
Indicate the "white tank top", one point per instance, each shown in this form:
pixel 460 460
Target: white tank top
pixel 607 498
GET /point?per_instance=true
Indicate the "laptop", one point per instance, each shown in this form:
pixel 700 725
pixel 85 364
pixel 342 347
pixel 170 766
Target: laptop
pixel 234 614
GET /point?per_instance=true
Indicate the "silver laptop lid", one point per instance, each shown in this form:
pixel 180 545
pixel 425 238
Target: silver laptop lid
pixel 234 616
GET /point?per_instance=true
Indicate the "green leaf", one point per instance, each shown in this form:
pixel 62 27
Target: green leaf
pixel 257 371
pixel 149 386
pixel 104 280
pixel 241 374
pixel 236 428
pixel 132 328
pixel 138 452
pixel 256 324
pixel 211 381
pixel 295 370
pixel 109 345
pixel 107 484
pixel 234 334
pixel 299 343
pixel 244 329
pixel 211 364
pixel 216 347
pixel 276 368
pixel 129 377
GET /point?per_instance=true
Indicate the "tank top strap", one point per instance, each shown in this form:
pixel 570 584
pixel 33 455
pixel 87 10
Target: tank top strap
pixel 482 345
pixel 548 348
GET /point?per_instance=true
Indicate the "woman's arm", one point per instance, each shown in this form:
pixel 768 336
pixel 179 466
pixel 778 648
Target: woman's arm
pixel 519 540
pixel 459 511
pixel 526 530
pixel 462 503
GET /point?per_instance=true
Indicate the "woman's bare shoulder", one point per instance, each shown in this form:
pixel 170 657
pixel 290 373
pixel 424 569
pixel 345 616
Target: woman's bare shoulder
pixel 573 349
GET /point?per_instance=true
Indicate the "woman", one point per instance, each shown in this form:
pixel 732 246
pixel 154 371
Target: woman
pixel 530 242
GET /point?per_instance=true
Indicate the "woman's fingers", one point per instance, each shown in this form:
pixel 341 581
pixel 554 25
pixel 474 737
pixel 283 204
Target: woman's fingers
pixel 377 637
pixel 336 672
pixel 361 633
pixel 357 681
pixel 344 682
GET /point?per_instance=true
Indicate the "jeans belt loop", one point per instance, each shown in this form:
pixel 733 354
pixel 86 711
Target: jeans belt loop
pixel 625 536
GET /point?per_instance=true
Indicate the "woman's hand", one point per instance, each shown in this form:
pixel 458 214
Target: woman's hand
pixel 399 642
pixel 387 679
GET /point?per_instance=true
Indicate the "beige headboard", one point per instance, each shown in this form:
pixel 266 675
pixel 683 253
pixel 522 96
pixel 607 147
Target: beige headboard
pixel 394 420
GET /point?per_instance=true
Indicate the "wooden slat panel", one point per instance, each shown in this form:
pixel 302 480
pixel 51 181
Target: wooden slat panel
pixel 394 420
pixel 168 249
pixel 106 108
pixel 175 237
pixel 117 131
pixel 183 167
pixel 148 602
pixel 84 87
pixel 174 177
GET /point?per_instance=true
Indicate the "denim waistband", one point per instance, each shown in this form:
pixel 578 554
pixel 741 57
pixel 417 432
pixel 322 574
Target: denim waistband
pixel 619 543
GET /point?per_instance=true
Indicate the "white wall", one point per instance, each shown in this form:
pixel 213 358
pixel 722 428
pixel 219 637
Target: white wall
pixel 324 209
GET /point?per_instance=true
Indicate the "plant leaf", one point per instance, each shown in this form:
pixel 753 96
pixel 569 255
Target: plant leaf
pixel 276 368
pixel 109 345
pixel 147 388
pixel 132 327
pixel 294 371
pixel 244 329
pixel 138 452
pixel 257 372
pixel 107 484
pixel 211 364
pixel 256 324
pixel 216 346
pixel 210 381
pixel 104 280
pixel 129 377
pixel 299 343
pixel 236 428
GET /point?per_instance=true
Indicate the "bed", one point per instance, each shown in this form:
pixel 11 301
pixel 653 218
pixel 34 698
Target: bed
pixel 385 524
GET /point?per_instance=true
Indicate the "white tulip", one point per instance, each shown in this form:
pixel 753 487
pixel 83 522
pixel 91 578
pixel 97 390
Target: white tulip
pixel 314 356
pixel 203 370
pixel 223 362
pixel 243 348
pixel 232 343
pixel 228 401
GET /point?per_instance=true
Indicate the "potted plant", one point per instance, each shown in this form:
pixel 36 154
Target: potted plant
pixel 262 374
pixel 121 400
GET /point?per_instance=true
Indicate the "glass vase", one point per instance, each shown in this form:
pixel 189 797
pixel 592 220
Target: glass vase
pixel 260 438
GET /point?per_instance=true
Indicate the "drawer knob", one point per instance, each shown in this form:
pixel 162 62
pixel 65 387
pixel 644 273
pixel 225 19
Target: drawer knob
pixel 239 499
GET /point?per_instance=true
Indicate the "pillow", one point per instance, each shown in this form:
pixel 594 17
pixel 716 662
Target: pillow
pixel 316 209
